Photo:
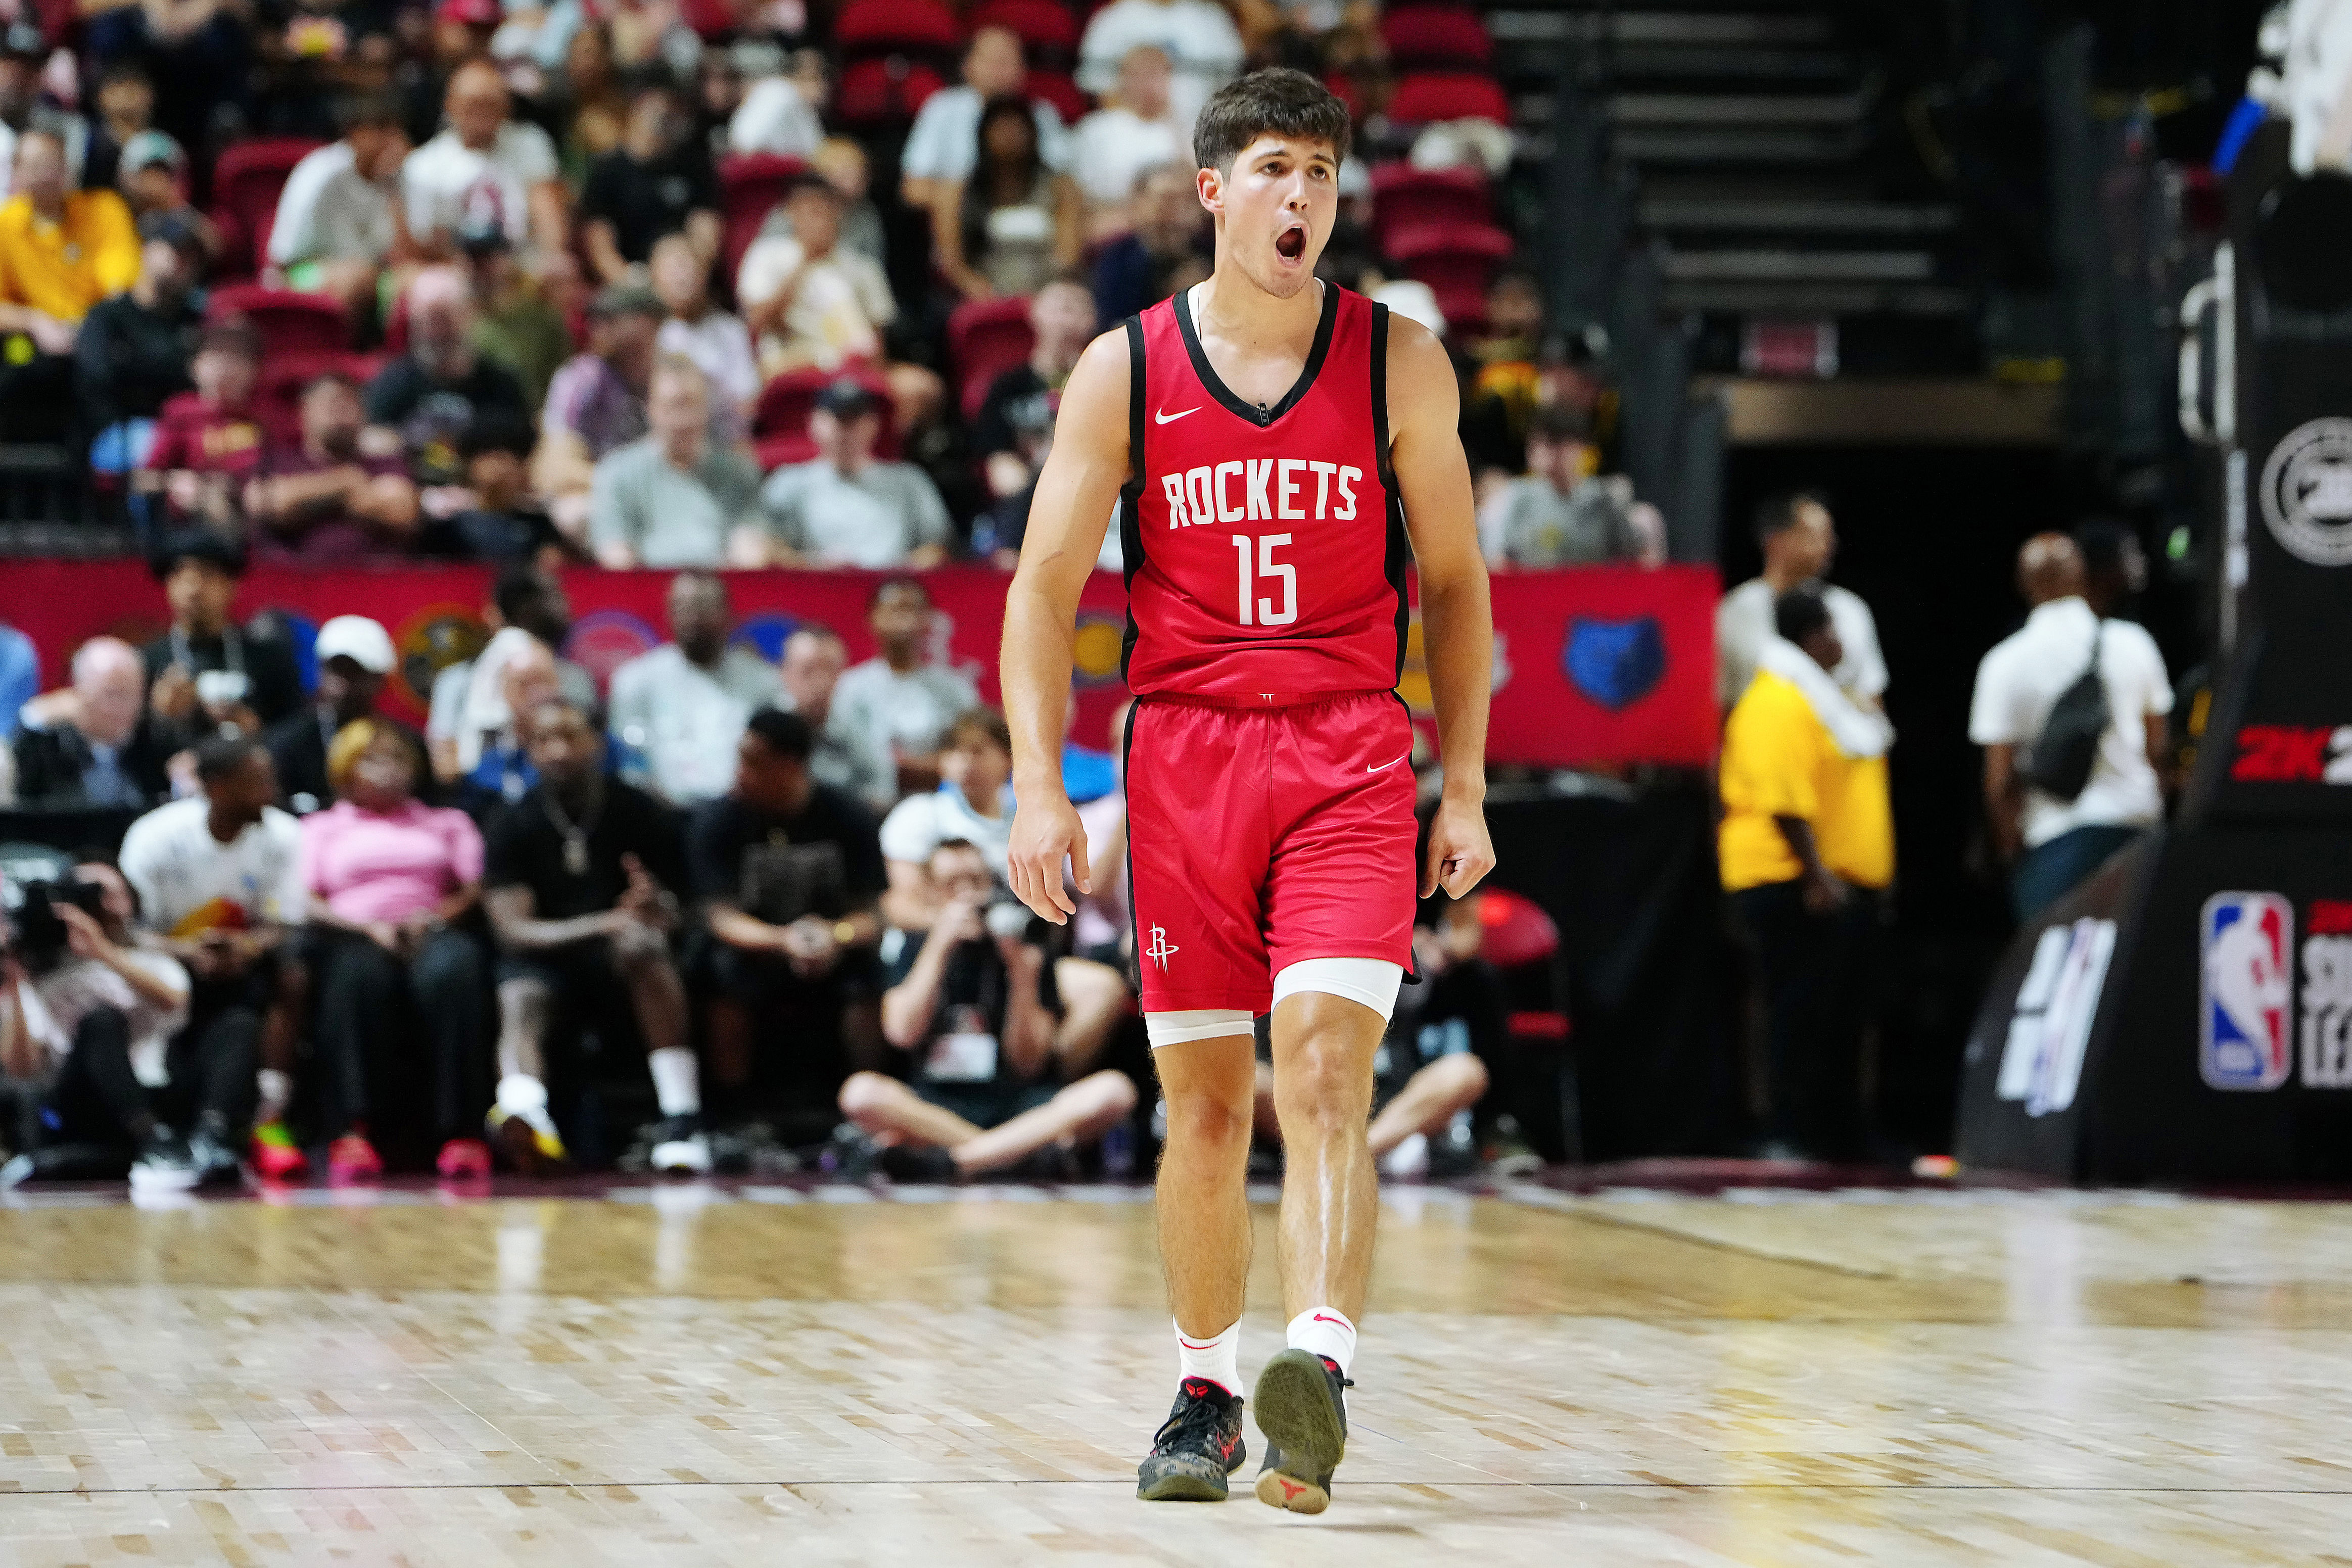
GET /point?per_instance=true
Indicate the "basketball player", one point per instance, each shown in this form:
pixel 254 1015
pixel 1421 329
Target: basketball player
pixel 1272 442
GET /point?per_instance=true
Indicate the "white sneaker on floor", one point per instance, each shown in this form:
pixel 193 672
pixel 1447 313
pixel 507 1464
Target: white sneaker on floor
pixel 681 1144
pixel 1409 1161
pixel 164 1164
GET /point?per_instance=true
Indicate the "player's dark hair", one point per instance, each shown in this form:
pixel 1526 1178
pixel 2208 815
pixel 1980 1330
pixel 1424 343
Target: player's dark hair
pixel 782 732
pixel 222 756
pixel 1800 613
pixel 1276 101
pixel 1778 513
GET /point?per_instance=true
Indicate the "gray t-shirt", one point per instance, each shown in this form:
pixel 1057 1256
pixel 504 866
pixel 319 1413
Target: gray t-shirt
pixel 669 516
pixel 1535 526
pixel 909 713
pixel 873 518
pixel 683 720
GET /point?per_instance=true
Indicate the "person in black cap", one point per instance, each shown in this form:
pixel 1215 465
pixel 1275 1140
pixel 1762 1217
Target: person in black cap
pixel 207 675
pixel 134 349
pixel 846 506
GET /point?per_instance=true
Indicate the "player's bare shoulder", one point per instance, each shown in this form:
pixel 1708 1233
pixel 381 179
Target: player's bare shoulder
pixel 1424 398
pixel 1093 416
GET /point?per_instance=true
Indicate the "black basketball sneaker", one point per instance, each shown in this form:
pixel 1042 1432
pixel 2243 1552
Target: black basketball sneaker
pixel 1195 1448
pixel 1303 1412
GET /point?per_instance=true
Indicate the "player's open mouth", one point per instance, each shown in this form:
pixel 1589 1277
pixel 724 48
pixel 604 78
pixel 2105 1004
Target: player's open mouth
pixel 1291 243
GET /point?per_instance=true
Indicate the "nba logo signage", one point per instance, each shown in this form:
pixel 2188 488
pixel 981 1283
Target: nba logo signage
pixel 2245 994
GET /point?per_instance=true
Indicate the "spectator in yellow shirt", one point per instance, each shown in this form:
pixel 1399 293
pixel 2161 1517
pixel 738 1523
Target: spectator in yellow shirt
pixel 1806 847
pixel 61 252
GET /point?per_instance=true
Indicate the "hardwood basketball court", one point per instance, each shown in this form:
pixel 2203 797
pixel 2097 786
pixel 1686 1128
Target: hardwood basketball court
pixel 738 1373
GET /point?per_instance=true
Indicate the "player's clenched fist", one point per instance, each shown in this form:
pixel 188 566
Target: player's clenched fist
pixel 1460 853
pixel 1045 834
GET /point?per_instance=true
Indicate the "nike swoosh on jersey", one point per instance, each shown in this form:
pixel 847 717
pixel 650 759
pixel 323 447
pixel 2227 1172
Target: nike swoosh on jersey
pixel 1391 762
pixel 1163 416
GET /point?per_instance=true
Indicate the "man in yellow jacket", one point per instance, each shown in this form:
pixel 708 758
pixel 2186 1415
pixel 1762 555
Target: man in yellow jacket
pixel 61 252
pixel 1806 847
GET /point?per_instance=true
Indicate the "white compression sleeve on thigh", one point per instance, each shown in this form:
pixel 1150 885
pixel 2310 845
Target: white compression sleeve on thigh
pixel 1371 981
pixel 1196 1023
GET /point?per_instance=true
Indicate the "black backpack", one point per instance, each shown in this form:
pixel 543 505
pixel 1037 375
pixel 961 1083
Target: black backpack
pixel 2061 757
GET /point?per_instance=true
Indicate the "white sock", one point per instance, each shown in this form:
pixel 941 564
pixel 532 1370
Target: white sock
pixel 275 1088
pixel 1218 1360
pixel 521 1094
pixel 1325 1331
pixel 677 1082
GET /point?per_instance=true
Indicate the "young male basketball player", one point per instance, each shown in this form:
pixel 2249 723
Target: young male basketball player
pixel 1272 442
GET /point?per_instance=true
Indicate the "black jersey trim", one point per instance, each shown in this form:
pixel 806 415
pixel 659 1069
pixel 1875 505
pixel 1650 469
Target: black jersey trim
pixel 1224 394
pixel 1399 543
pixel 1130 495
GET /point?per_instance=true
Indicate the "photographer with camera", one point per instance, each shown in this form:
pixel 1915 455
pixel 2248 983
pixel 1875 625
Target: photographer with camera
pixel 974 1003
pixel 82 998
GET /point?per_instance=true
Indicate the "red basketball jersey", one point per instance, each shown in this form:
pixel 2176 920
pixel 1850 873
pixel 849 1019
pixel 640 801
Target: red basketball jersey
pixel 1265 553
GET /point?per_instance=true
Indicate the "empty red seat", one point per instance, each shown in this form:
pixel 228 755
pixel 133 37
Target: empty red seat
pixel 1047 29
pixel 1405 197
pixel 877 94
pixel 749 186
pixel 780 420
pixel 290 322
pixel 1514 929
pixel 1429 36
pixel 246 181
pixel 876 26
pixel 1455 261
pixel 985 339
pixel 1057 88
pixel 1427 96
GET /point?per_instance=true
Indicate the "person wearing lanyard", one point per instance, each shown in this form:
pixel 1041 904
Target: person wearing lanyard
pixel 207 676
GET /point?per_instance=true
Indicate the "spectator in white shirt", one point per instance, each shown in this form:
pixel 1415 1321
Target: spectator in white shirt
pixel 807 299
pixel 681 707
pixel 944 142
pixel 713 339
pixel 486 169
pixel 2055 843
pixel 1118 142
pixel 779 112
pixel 339 220
pixel 899 699
pixel 846 758
pixel 1800 539
pixel 973 803
pixel 1198 36
pixel 845 507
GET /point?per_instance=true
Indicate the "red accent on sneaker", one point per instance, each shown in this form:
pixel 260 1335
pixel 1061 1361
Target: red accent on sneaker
pixel 1328 1318
pixel 1187 1344
pixel 464 1159
pixel 1289 1489
pixel 353 1158
pixel 278 1162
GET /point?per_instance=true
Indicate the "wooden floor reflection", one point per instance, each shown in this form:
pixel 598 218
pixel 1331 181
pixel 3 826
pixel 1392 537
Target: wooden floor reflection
pixel 686 1374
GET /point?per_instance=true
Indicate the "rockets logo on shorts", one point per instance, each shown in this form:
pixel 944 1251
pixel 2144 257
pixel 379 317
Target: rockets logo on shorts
pixel 1162 949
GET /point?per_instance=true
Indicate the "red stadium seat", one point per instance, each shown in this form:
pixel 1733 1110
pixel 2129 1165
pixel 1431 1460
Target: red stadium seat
pixel 1343 88
pixel 986 337
pixel 749 186
pixel 1058 89
pixel 1455 261
pixel 290 322
pixel 1514 929
pixel 245 184
pixel 1047 29
pixel 780 420
pixel 1438 36
pixel 878 94
pixel 877 27
pixel 1426 96
pixel 1405 197
pixel 711 20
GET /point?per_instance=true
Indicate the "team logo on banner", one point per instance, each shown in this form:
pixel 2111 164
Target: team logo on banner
pixel 2306 492
pixel 431 640
pixel 1615 663
pixel 604 640
pixel 2245 993
pixel 2326 1031
pixel 765 634
pixel 1094 653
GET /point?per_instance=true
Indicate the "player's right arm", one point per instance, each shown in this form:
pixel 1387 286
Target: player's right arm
pixel 1075 492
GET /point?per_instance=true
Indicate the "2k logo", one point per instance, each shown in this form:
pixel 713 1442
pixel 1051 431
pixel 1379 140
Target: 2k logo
pixel 1162 949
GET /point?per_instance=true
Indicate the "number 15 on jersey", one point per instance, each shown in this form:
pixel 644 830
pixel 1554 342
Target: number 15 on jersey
pixel 1258 612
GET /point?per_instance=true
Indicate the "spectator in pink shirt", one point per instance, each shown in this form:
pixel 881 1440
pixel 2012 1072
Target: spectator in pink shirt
pixel 388 877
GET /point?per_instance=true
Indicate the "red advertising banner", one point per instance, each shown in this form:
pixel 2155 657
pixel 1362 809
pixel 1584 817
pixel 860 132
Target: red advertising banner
pixel 1597 665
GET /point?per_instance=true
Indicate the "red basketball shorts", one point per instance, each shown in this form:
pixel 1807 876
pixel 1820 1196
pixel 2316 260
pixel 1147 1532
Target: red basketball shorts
pixel 1259 837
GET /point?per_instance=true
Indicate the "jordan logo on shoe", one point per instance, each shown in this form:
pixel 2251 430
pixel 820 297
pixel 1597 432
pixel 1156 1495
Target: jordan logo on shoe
pixel 1163 416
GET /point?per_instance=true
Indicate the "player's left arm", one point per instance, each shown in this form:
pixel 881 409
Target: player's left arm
pixel 1457 618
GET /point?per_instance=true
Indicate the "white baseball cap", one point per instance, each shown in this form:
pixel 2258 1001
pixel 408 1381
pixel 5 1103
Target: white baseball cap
pixel 357 639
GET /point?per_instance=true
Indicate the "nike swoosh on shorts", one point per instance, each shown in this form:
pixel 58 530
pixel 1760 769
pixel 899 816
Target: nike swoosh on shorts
pixel 1391 762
